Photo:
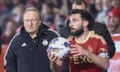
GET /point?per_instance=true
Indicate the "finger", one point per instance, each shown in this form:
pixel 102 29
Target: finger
pixel 48 53
pixel 78 46
pixel 73 46
pixel 50 56
pixel 54 58
pixel 75 51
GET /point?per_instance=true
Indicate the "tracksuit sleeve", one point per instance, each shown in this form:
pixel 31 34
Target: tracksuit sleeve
pixel 110 43
pixel 10 58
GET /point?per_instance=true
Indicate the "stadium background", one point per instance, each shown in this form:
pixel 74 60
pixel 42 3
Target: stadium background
pixel 54 14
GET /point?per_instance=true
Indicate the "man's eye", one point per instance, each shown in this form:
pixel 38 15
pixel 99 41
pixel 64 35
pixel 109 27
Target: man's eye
pixel 34 19
pixel 26 20
pixel 74 20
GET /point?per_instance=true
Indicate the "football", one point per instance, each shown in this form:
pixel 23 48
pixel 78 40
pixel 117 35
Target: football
pixel 59 47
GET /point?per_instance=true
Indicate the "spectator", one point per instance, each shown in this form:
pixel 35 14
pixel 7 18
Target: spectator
pixel 59 22
pixel 9 32
pixel 4 7
pixel 17 13
pixel 114 16
pixel 114 29
pixel 47 14
pixel 38 3
pixel 115 3
pixel 102 15
pixel 99 7
pixel 92 9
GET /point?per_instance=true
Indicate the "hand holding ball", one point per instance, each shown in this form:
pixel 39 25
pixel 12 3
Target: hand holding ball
pixel 59 47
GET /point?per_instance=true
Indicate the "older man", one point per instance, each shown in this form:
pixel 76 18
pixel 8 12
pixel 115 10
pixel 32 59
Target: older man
pixel 27 50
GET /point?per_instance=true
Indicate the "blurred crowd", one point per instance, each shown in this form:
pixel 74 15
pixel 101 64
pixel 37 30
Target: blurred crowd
pixel 54 14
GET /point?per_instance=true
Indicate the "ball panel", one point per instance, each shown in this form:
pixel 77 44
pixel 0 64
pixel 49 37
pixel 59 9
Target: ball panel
pixel 59 47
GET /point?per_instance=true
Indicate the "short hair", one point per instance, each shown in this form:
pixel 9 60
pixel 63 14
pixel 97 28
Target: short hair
pixel 85 16
pixel 80 2
pixel 32 8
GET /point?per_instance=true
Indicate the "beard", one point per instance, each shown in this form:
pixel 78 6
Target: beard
pixel 77 32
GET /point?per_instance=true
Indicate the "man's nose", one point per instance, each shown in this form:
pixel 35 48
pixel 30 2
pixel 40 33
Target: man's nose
pixel 70 24
pixel 30 22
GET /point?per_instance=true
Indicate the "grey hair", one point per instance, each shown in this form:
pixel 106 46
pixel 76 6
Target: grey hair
pixel 32 9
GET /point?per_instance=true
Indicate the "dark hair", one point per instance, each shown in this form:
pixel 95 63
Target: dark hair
pixel 50 5
pixel 80 2
pixel 85 16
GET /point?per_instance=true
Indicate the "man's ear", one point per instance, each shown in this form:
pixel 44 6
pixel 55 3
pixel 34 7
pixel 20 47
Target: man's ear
pixel 85 23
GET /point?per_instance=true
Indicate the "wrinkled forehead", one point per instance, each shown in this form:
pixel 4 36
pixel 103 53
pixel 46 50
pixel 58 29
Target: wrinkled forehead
pixel 31 15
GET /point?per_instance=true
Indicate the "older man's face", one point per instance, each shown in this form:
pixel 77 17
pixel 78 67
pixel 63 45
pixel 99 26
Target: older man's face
pixel 31 21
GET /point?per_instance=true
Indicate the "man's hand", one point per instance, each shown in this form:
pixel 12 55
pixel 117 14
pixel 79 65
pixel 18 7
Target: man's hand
pixel 57 62
pixel 54 59
pixel 102 62
pixel 77 50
